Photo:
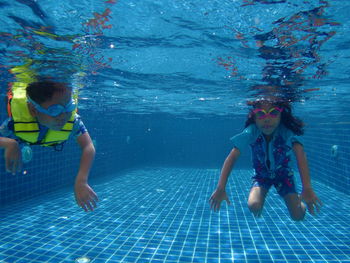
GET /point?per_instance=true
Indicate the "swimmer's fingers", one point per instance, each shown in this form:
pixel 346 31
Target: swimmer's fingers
pixel 13 160
pixel 212 202
pixel 311 200
pixel 13 165
pixel 81 201
pixel 92 201
pixel 93 196
pixel 216 205
pixel 17 165
pixel 85 207
pixel 86 198
pixel 217 197
pixel 310 207
pixel 8 163
pixel 89 204
pixel 318 204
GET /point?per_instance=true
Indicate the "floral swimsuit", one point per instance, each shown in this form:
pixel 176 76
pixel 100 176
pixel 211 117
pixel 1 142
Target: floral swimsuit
pixel 281 175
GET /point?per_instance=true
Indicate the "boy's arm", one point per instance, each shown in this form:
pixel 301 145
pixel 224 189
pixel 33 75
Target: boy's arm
pixel 307 193
pixel 87 156
pixel 13 158
pixel 85 196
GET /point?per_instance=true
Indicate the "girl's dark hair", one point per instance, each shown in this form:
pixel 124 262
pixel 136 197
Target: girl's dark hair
pixel 41 91
pixel 287 119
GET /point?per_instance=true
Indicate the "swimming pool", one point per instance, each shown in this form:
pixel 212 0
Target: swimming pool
pixel 163 85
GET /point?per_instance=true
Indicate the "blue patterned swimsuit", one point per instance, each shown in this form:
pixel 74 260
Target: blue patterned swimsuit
pixel 281 175
pixel 271 168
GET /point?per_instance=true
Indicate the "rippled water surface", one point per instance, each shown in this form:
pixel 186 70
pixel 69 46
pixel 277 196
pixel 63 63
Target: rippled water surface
pixel 182 57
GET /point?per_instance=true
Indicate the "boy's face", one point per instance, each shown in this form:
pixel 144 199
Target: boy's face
pixel 269 123
pixel 54 123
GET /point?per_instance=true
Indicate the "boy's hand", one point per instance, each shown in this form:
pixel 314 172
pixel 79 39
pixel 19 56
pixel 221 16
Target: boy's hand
pixel 311 200
pixel 217 197
pixel 13 158
pixel 85 196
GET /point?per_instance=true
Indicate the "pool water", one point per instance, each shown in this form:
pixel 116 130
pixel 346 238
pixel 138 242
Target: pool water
pixel 162 85
pixel 161 214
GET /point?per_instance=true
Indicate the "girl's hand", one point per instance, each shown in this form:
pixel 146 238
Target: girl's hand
pixel 85 196
pixel 217 197
pixel 311 200
pixel 13 158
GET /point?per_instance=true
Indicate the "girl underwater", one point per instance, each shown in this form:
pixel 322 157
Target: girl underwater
pixel 272 132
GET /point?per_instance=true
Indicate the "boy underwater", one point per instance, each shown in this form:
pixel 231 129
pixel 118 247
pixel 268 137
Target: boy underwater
pixel 44 113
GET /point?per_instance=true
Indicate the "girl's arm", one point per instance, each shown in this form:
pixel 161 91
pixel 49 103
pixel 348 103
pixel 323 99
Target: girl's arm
pixel 85 196
pixel 220 193
pixel 307 193
pixel 227 168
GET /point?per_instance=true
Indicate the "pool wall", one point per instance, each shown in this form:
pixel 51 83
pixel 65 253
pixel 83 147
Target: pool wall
pixel 127 141
pixel 326 165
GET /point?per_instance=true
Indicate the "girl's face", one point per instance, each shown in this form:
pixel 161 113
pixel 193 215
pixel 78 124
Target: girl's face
pixel 54 123
pixel 267 118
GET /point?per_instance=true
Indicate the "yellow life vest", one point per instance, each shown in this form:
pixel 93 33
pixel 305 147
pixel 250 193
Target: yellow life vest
pixel 26 127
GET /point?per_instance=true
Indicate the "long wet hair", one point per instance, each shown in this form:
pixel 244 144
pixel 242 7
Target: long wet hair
pixel 287 119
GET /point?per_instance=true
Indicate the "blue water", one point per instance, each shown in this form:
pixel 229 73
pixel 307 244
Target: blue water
pixel 162 86
pixel 183 57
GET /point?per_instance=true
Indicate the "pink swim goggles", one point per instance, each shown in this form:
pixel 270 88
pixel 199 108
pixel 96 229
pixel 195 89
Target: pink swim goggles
pixel 263 114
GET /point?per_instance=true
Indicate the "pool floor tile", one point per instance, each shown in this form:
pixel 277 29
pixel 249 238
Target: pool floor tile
pixel 161 214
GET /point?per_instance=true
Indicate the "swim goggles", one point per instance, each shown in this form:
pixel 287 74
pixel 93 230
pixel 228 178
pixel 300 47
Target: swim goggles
pixel 263 114
pixel 56 109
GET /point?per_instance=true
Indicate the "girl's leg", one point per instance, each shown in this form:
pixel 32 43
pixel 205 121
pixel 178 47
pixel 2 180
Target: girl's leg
pixel 295 207
pixel 256 200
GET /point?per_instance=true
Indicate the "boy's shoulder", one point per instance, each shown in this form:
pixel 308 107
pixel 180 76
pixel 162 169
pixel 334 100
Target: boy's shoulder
pixel 77 117
pixel 78 126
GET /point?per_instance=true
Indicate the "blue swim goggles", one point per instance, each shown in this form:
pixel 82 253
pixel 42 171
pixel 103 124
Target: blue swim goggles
pixel 56 109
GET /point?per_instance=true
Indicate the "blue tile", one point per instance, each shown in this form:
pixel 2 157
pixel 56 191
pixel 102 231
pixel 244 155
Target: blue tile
pixel 155 227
